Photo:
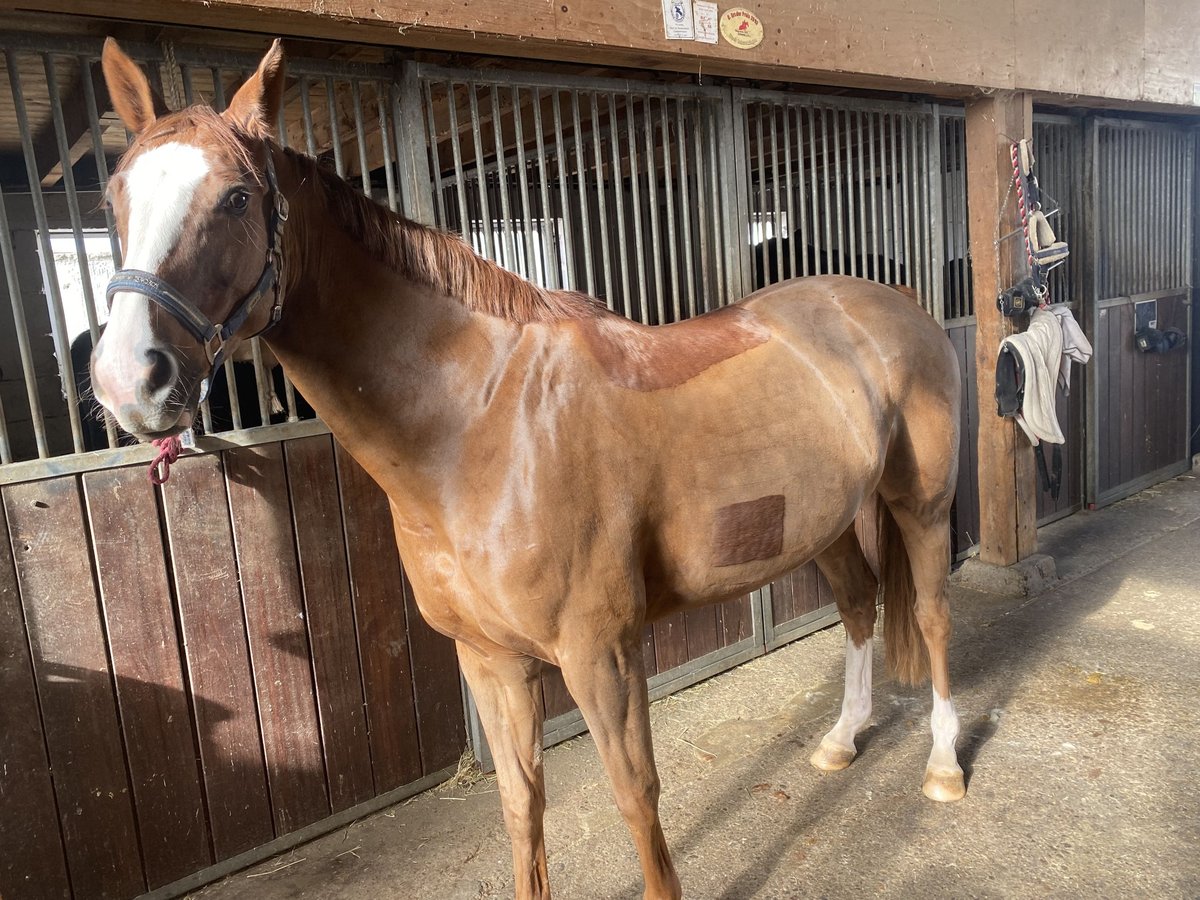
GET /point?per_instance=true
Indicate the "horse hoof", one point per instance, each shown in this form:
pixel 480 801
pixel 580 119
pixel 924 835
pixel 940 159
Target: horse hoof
pixel 832 758
pixel 943 786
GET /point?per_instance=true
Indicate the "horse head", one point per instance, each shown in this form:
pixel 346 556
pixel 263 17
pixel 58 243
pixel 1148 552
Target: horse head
pixel 200 219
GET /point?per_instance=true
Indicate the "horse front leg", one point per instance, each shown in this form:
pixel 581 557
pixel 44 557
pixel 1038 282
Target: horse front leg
pixel 508 694
pixel 608 681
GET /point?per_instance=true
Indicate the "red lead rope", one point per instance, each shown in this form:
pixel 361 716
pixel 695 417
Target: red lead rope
pixel 168 452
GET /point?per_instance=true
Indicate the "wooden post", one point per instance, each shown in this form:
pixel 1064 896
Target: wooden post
pixel 1007 477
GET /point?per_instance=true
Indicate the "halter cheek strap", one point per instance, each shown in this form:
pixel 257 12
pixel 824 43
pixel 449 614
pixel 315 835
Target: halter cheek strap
pixel 212 336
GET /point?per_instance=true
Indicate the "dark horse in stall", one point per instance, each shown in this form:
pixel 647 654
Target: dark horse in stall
pixel 558 475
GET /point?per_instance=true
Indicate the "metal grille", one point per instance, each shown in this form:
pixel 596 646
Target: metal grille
pixel 842 187
pixel 58 241
pixel 612 188
pixel 1143 211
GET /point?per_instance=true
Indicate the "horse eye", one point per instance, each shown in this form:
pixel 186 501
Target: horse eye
pixel 238 201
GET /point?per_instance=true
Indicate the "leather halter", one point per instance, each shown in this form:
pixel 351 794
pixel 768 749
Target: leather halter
pixel 213 336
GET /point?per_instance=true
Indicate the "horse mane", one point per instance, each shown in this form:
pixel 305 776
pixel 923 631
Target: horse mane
pixel 438 259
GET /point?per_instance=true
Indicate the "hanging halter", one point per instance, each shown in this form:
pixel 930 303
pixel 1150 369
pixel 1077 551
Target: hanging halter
pixel 212 336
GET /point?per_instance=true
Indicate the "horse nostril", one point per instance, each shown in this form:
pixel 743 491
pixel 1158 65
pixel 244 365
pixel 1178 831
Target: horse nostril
pixel 159 370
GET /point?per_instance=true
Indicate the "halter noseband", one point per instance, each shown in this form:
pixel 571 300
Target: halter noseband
pixel 213 336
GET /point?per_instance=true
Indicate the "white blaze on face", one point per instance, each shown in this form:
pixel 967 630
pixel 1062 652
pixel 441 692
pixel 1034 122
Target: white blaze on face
pixel 159 188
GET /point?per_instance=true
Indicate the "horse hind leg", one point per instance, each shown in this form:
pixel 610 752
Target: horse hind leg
pixel 508 695
pixel 925 530
pixel 854 589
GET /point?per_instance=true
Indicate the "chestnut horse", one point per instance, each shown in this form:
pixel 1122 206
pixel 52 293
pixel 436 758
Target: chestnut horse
pixel 558 475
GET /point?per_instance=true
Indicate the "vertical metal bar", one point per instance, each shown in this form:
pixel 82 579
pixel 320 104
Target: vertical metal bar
pixel 937 214
pixel 906 200
pixel 550 260
pixel 57 316
pixel 89 96
pixel 364 165
pixel 835 117
pixel 776 209
pixel 189 88
pixel 570 281
pixel 790 205
pixel 759 199
pixel 704 223
pixel 523 181
pixel 877 253
pixel 635 184
pixel 601 207
pixel 655 237
pixel 235 403
pixel 502 183
pixel 581 174
pixel 849 255
pixel 310 138
pixel 618 180
pixel 218 89
pixel 860 154
pixel 68 179
pixel 827 250
pixel 721 212
pixel 464 218
pixel 805 162
pixel 896 190
pixel 22 328
pixel 685 208
pixel 485 213
pixel 382 94
pixel 669 188
pixel 810 117
pixel 335 136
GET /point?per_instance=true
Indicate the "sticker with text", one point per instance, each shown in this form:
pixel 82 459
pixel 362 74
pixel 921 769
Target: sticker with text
pixel 677 20
pixel 705 16
pixel 741 28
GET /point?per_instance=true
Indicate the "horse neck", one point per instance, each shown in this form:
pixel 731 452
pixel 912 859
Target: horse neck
pixel 398 371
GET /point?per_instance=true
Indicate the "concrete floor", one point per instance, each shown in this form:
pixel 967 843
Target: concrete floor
pixel 1081 738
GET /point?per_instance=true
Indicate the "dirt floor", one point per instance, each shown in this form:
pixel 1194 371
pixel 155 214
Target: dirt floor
pixel 1081 739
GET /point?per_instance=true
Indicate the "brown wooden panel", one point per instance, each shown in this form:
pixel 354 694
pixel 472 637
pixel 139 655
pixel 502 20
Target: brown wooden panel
pixel 556 699
pixel 155 716
pixel 702 628
pixel 32 864
pixel 321 542
pixel 736 620
pixel 287 707
pixel 670 642
pixel 437 690
pixel 382 627
pixel 200 540
pixel 648 657
pixel 54 571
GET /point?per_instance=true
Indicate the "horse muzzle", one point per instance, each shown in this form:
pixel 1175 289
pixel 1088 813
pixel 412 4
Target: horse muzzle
pixel 144 388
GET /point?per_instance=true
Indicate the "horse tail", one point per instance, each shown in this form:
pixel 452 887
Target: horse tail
pixel 907 656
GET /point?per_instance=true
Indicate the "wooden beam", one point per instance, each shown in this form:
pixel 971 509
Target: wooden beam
pixel 1007 479
pixel 926 46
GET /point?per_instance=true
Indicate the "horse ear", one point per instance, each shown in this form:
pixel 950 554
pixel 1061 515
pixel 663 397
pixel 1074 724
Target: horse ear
pixel 255 107
pixel 132 98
